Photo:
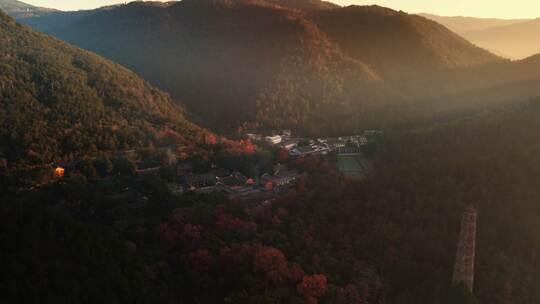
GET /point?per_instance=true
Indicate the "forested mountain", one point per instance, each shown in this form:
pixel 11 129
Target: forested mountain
pixel 231 55
pixel 255 60
pixel 20 9
pixel 60 103
pixel 301 65
pixel 397 44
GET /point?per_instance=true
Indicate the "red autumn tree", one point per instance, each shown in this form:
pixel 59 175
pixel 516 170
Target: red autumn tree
pixel 247 146
pixel 312 287
pixel 269 186
pixel 210 139
pixel 296 273
pixel 273 263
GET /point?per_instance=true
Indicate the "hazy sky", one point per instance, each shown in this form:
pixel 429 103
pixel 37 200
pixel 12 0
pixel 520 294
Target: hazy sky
pixel 477 8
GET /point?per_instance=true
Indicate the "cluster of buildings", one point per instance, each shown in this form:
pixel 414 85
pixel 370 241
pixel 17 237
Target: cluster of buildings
pixel 347 145
pixel 235 184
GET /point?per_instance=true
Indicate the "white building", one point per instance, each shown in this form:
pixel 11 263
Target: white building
pixel 273 140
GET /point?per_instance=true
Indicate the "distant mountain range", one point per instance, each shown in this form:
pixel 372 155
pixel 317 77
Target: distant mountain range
pixel 306 64
pixel 20 9
pixel 511 38
pixel 515 41
pixel 460 24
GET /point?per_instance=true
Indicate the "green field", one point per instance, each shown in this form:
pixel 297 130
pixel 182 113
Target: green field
pixel 350 165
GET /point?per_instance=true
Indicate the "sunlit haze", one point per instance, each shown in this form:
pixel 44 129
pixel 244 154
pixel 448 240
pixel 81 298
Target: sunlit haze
pixel 476 8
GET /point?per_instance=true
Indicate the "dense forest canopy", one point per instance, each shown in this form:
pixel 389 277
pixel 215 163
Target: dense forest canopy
pixel 397 230
pixel 60 103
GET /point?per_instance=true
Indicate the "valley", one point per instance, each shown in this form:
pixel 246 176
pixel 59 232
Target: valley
pixel 267 151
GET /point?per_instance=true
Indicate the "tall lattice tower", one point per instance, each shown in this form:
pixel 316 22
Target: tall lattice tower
pixel 464 267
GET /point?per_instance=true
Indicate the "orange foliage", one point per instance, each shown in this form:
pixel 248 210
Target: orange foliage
pixel 210 139
pixel 312 287
pixel 273 263
pixel 247 146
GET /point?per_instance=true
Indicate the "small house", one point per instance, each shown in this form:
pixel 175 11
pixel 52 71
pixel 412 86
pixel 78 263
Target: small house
pixel 273 140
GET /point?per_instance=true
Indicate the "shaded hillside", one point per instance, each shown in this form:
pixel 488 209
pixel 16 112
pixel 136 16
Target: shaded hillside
pixel 226 54
pixel 19 9
pixel 397 44
pixel 516 41
pixel 460 25
pixel 59 103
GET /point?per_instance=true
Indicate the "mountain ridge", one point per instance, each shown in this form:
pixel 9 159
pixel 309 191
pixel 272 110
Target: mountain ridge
pixel 237 54
pixel 60 102
pixel 398 40
pixel 234 52
pixel 317 71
